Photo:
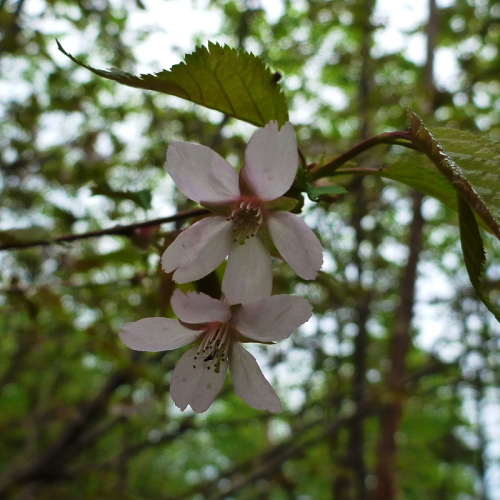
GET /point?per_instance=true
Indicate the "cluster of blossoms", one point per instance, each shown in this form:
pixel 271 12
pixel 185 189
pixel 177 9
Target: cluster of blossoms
pixel 249 212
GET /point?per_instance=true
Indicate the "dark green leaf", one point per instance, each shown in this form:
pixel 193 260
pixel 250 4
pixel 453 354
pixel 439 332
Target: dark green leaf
pixel 472 247
pixel 231 81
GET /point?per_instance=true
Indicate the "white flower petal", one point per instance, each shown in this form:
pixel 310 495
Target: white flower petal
pixel 249 272
pixel 272 318
pixel 201 174
pixel 156 334
pixel 249 382
pixel 194 384
pixel 271 161
pixel 198 250
pixel 296 243
pixel 199 308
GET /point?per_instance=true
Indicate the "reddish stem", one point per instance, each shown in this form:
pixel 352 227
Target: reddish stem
pixel 399 138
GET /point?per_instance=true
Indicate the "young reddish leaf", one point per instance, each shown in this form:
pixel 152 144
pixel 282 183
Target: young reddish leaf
pixel 231 81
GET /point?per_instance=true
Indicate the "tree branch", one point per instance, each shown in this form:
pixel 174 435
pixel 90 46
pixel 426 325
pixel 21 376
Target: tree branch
pixel 400 345
pixel 112 231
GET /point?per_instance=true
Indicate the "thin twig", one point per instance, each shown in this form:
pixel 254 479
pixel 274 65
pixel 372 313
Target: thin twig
pixel 115 231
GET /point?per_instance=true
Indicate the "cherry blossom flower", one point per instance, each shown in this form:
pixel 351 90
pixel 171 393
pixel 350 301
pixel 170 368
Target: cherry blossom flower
pixel 218 330
pixel 248 206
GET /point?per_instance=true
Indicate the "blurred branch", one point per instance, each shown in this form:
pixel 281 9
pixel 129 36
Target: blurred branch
pixel 25 341
pixel 268 463
pixel 112 231
pixel 134 282
pixel 51 464
pixel 353 484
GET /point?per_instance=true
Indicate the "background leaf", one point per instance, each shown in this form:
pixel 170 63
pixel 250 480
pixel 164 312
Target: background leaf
pixel 231 81
pixel 142 198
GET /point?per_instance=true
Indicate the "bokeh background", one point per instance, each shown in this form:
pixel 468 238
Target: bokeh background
pixel 391 389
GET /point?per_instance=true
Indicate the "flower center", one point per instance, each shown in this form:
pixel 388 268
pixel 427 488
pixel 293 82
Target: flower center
pixel 247 218
pixel 215 345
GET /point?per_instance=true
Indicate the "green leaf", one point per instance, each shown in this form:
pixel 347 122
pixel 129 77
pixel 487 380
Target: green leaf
pixel 141 198
pixel 469 163
pixel 410 170
pixel 231 81
pixel 315 192
pixel 472 247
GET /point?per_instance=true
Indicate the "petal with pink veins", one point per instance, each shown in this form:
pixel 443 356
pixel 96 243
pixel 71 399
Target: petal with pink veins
pixel 249 382
pixel 201 174
pixel 156 334
pixel 296 243
pixel 271 161
pixel 249 272
pixel 272 318
pixel 198 250
pixel 194 384
pixel 199 308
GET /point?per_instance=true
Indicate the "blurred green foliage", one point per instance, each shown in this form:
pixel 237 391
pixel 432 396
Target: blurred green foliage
pixel 83 417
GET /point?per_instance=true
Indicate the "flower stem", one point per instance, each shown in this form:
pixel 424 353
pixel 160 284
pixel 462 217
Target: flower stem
pixel 399 138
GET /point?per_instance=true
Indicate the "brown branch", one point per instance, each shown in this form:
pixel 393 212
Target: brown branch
pixel 353 458
pixel 400 345
pixel 112 231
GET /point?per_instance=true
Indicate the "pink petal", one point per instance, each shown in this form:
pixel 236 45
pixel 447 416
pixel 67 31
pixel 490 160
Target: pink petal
pixel 199 308
pixel 272 318
pixel 201 174
pixel 198 250
pixel 249 382
pixel 249 272
pixel 194 384
pixel 296 243
pixel 271 161
pixel 156 334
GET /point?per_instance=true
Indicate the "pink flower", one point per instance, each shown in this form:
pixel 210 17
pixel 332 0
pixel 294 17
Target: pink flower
pixel 246 202
pixel 218 330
